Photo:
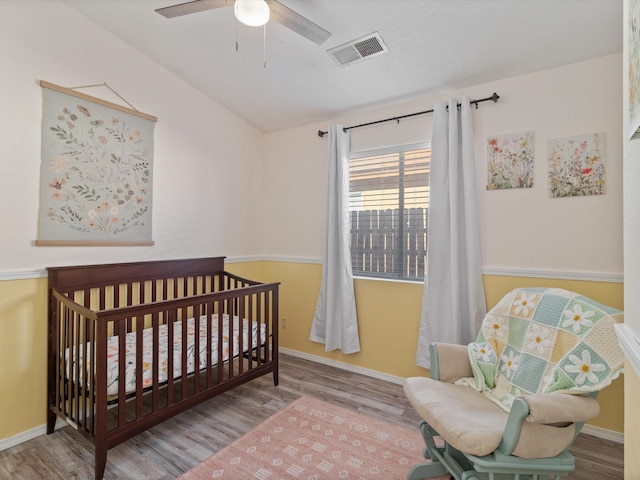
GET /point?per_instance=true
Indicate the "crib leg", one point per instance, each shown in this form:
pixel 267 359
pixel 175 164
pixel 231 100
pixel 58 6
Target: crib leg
pixel 101 463
pixel 51 422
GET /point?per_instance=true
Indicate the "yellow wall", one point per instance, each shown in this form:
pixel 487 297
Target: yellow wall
pixel 387 341
pixel 388 313
pixel 23 355
pixel 632 439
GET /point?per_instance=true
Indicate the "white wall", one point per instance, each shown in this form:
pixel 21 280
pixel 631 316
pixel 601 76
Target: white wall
pixel 522 229
pixel 207 166
pixel 208 170
pixel 631 206
pixel 629 334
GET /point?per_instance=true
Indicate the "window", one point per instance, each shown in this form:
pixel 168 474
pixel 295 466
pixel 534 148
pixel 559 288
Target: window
pixel 388 208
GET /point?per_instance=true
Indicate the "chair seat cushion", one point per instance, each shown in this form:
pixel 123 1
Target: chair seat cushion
pixel 462 416
pixel 470 422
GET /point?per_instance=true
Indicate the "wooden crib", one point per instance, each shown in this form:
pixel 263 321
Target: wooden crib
pixel 133 344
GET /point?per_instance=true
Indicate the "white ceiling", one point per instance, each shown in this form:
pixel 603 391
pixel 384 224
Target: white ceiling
pixel 433 44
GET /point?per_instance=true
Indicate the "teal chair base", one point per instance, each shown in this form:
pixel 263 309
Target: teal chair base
pixel 507 360
pixel 496 466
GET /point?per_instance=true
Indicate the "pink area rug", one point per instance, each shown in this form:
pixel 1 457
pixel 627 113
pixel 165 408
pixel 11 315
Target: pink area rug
pixel 311 439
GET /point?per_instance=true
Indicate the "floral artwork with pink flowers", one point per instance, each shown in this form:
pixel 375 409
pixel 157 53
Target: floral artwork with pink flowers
pixel 510 161
pixel 577 166
pixel 96 173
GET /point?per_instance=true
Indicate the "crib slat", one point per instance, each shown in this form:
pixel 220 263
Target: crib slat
pixel 122 364
pixel 183 351
pixel 129 324
pixel 66 388
pixel 155 325
pixel 266 323
pixel 219 353
pixel 209 313
pixel 247 318
pixel 139 323
pixel 57 358
pixel 116 304
pixel 92 376
pixel 83 381
pixel 241 316
pixel 230 312
pixel 154 291
pixel 72 378
pixel 259 320
pixel 196 349
pixel 170 345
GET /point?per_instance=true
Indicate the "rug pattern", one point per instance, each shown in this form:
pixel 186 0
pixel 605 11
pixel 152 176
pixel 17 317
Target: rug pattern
pixel 312 440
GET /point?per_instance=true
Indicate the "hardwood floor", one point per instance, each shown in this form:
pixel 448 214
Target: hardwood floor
pixel 178 444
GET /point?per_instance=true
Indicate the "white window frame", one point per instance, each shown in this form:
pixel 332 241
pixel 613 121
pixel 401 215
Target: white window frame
pixel 391 150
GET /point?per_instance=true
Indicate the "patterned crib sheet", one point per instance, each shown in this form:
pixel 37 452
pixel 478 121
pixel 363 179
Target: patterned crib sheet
pixel 163 351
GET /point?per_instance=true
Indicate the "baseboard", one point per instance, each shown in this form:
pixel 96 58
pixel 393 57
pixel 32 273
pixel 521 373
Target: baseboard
pixel 28 435
pixel 603 433
pixel 587 429
pixel 344 366
pixel 42 429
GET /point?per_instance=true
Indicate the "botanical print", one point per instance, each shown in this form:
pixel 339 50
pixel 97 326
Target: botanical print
pixel 576 166
pixel 96 173
pixel 634 68
pixel 510 161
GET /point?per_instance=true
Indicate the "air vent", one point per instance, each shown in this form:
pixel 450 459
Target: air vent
pixel 359 49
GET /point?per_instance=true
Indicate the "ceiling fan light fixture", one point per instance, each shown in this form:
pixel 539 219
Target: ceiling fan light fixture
pixel 254 13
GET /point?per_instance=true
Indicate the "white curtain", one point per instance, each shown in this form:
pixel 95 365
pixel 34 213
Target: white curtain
pixel 335 323
pixel 453 302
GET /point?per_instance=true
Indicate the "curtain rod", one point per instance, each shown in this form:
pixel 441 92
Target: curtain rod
pixel 494 98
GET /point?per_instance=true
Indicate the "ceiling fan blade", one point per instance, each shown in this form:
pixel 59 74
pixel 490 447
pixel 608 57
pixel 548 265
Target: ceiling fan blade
pixel 296 22
pixel 192 7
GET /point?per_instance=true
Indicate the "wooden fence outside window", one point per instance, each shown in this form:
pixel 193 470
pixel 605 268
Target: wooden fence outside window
pixel 389 243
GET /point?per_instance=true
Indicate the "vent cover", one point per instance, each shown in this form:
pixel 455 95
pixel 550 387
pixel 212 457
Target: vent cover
pixel 359 49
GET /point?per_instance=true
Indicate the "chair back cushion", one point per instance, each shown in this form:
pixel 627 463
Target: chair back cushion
pixel 542 341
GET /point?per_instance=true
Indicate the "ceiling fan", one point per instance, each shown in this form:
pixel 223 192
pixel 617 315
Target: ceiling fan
pixel 254 13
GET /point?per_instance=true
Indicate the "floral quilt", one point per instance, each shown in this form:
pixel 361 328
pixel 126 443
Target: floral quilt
pixel 163 350
pixel 539 341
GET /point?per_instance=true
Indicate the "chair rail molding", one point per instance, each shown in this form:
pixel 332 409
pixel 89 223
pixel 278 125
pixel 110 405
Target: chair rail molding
pixel 487 270
pixel 629 345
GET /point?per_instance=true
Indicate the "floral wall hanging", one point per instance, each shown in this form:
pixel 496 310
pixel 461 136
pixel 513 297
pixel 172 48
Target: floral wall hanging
pixel 96 171
pixel 510 161
pixel 577 166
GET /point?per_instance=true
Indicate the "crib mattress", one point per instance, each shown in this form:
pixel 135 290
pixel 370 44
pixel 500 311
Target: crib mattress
pixel 163 351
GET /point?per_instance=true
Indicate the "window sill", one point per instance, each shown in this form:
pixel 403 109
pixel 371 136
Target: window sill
pixel 392 280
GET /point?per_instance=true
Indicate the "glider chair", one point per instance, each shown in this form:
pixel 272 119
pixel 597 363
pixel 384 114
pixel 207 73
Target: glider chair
pixel 510 405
